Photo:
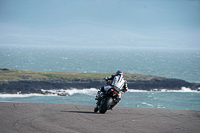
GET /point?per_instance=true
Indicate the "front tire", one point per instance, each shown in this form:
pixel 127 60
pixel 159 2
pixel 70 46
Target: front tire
pixel 106 105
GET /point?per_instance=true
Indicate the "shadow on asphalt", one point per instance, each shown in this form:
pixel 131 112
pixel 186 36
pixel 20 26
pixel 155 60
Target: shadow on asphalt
pixel 84 112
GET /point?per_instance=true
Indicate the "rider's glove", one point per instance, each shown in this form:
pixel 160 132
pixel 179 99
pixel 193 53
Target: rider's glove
pixel 124 90
pixel 106 78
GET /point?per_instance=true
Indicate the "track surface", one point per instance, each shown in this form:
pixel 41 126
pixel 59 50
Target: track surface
pixel 65 118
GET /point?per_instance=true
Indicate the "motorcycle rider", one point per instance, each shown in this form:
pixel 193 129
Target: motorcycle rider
pixel 117 82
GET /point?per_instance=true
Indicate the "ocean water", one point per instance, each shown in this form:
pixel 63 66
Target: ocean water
pixel 185 99
pixel 171 63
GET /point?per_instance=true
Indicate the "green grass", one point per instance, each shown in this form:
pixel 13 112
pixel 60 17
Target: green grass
pixel 13 75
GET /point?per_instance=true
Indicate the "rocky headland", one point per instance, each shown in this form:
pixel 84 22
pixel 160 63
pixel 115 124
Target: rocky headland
pixel 14 81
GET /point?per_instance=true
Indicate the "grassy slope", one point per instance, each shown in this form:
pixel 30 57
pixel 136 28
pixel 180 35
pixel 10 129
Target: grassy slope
pixel 11 75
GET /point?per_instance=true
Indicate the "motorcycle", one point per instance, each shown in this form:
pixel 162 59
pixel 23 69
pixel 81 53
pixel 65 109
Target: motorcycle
pixel 106 100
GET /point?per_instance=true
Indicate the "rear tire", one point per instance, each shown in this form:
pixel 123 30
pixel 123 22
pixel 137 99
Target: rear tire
pixel 106 105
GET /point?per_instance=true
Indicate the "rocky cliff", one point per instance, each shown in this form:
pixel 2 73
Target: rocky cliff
pixel 33 86
pixel 13 81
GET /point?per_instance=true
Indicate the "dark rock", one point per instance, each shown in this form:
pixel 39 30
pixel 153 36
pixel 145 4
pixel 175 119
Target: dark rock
pixel 147 83
pixel 4 69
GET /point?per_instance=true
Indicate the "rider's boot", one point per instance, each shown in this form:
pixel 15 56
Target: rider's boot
pixel 96 108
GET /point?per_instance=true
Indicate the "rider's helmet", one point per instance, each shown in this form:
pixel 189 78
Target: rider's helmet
pixel 119 72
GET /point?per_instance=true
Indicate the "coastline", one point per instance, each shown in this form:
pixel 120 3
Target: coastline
pixel 27 82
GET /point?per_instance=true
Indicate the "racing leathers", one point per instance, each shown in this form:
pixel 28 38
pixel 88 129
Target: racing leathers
pixel 117 82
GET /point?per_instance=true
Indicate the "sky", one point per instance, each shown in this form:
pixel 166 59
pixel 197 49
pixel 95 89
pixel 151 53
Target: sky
pixel 124 23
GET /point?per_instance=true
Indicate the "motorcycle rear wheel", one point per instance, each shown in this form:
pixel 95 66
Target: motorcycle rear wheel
pixel 106 105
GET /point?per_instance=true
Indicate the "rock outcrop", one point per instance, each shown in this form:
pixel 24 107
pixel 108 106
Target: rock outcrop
pixel 147 83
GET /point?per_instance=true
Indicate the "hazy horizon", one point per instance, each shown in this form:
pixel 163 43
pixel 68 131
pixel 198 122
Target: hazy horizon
pixel 153 24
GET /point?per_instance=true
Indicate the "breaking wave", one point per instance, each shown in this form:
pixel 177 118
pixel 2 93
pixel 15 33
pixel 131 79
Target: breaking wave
pixel 183 89
pixel 91 91
pixel 19 95
pixel 70 92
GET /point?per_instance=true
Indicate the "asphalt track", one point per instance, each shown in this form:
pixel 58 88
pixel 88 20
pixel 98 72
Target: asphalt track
pixel 65 118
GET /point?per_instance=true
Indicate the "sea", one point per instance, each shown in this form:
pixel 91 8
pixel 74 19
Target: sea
pixel 170 63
